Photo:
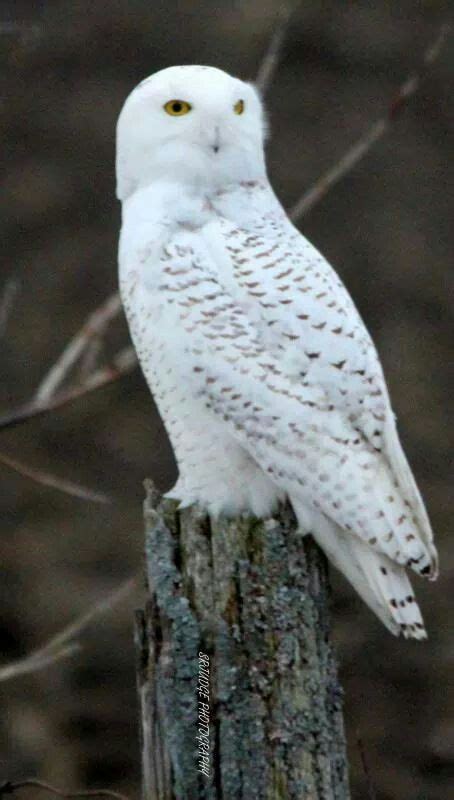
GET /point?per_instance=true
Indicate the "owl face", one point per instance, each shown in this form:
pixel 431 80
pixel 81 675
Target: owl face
pixel 190 124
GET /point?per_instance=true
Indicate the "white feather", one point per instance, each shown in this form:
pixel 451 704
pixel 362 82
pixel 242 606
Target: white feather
pixel 383 585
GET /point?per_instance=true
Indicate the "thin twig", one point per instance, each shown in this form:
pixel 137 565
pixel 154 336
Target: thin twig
pixel 90 358
pixel 343 166
pixel 272 57
pixel 36 663
pixel 122 363
pixel 7 299
pixel 407 89
pixel 47 479
pixel 371 791
pixel 62 644
pixel 94 326
pixel 102 607
pixel 11 787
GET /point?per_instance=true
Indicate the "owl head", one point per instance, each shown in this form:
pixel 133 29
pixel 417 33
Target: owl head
pixel 193 125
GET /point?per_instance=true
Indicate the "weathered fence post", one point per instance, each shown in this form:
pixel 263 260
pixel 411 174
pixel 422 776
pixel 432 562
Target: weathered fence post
pixel 253 596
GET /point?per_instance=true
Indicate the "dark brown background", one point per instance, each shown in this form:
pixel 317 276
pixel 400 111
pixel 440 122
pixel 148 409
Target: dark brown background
pixel 65 73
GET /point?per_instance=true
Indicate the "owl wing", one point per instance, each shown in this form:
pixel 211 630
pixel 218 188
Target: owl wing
pixel 310 322
pixel 291 428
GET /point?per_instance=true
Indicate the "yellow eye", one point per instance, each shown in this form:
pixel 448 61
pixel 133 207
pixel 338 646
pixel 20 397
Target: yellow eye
pixel 239 107
pixel 177 108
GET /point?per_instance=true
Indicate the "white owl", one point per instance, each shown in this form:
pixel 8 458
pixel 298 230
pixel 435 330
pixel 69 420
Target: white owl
pixel 264 374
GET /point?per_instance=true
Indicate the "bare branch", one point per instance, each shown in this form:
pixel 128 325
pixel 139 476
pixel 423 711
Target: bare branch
pixel 371 791
pixel 11 787
pixel 93 327
pixel 272 57
pixel 407 89
pixel 122 363
pixel 7 299
pixel 62 645
pixel 90 358
pixel 345 164
pixel 47 479
pixel 36 663
pixel 84 346
pixel 103 606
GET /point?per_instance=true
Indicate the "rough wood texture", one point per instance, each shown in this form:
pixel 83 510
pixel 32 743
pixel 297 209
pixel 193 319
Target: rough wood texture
pixel 253 595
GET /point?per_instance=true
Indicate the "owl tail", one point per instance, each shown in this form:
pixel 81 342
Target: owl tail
pixel 382 584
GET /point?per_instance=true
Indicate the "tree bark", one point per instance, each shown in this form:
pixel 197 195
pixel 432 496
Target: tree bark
pixel 252 595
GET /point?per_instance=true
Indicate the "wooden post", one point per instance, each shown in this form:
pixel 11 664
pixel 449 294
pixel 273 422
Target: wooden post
pixel 252 596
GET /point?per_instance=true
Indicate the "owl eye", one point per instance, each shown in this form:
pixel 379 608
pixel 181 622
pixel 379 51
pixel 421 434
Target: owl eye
pixel 239 107
pixel 177 108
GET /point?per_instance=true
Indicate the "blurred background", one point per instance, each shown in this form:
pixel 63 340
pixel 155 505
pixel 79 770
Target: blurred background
pixel 66 68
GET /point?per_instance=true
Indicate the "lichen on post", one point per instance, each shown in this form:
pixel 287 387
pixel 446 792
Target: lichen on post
pixel 253 596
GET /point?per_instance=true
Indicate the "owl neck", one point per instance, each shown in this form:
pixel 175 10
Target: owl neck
pixel 167 204
pixel 189 169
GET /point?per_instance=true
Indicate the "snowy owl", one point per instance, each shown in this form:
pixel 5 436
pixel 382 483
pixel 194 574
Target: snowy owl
pixel 263 371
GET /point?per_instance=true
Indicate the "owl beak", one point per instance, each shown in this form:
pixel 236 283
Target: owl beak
pixel 215 143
